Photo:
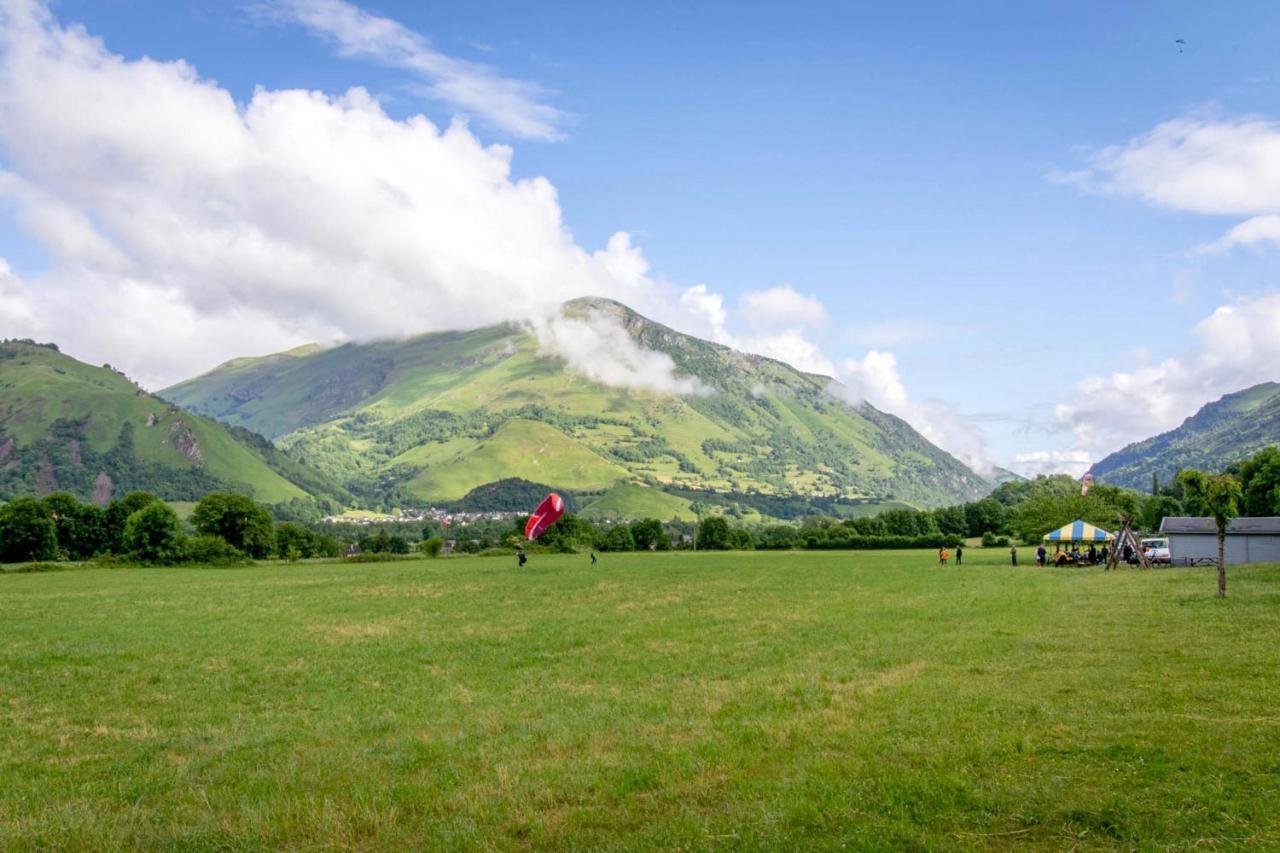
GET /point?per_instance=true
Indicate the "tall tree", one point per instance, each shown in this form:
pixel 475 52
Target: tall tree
pixel 1260 482
pixel 1218 496
pixel 151 534
pixel 26 532
pixel 237 519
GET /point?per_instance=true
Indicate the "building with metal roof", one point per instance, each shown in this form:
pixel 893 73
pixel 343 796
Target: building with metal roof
pixel 1249 540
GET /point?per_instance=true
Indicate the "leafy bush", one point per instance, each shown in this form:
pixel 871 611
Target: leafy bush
pixel 713 534
pixel 27 568
pixel 856 542
pixel 431 547
pixel 210 550
pixel 618 538
pixel 650 535
pixel 237 519
pixel 990 540
pixel 26 532
pixel 294 542
pixel 370 557
pixel 151 534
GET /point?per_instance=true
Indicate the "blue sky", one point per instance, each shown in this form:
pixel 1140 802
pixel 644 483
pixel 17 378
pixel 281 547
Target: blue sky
pixel 934 174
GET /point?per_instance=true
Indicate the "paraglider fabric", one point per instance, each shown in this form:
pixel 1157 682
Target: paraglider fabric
pixel 547 514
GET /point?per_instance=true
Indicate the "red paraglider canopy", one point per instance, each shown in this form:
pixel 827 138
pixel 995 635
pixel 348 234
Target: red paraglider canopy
pixel 547 514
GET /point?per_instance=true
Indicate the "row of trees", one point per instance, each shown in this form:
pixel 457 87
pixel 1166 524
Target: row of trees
pixel 141 528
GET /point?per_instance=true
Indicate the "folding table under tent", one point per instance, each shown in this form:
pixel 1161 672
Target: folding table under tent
pixel 1079 531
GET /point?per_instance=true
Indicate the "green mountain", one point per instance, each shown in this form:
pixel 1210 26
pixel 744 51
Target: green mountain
pixel 1221 433
pixel 69 426
pixel 433 417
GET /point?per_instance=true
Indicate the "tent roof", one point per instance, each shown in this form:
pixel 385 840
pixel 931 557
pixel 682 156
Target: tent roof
pixel 1078 531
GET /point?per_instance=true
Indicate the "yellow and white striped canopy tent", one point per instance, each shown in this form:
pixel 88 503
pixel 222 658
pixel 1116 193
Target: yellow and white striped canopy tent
pixel 1079 531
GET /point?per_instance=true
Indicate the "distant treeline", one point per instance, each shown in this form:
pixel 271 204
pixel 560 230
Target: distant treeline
pixel 140 528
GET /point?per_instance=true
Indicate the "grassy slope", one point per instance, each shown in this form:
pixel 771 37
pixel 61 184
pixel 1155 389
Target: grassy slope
pixel 340 408
pixel 520 448
pixel 40 386
pixel 632 501
pixel 783 701
pixel 1221 433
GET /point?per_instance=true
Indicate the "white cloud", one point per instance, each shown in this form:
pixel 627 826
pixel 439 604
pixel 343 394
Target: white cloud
pixel 707 311
pixel 185 228
pixel 792 347
pixel 875 379
pixel 1236 346
pixel 1074 462
pixel 17 318
pixel 599 348
pixel 1200 165
pixel 165 206
pixel 782 307
pixel 1252 232
pixel 515 106
pixel 1197 164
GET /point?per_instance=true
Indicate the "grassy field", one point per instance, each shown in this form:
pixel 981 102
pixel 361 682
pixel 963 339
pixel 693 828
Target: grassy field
pixel 710 701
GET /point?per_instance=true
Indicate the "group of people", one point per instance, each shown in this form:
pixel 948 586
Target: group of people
pixel 1072 556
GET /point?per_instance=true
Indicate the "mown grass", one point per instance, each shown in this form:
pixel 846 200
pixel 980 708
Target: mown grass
pixel 737 701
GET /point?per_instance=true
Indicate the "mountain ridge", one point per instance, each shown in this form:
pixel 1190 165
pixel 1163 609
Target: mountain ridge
pixel 429 417
pixel 1220 433
pixel 67 425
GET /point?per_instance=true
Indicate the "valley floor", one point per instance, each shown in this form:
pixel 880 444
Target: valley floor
pixel 737 700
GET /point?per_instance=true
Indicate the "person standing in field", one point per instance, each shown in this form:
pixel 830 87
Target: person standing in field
pixel 521 559
pixel 593 556
pixel 1013 554
pixel 1041 554
pixel 942 556
pixel 959 554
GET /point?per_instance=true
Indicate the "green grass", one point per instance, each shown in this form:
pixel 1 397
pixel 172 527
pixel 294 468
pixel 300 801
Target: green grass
pixel 737 701
pixel 519 448
pixel 630 501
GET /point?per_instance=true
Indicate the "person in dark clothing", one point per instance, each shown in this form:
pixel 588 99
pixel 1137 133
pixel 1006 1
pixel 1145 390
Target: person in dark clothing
pixel 1128 554
pixel 1013 554
pixel 959 554
pixel 1093 554
pixel 1041 554
pixel 521 557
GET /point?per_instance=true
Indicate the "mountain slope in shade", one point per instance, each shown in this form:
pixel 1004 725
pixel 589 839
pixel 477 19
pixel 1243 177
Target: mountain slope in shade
pixel 432 417
pixel 1221 433
pixel 69 426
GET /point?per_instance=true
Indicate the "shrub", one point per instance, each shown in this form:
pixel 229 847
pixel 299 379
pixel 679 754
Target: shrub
pixel 370 557
pixel 294 539
pixel 990 540
pixel 431 547
pixel 26 532
pixel 211 550
pixel 237 519
pixel 713 534
pixel 618 538
pixel 649 535
pixel 151 534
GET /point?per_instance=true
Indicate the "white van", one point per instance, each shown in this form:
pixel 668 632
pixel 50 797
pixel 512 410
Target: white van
pixel 1157 550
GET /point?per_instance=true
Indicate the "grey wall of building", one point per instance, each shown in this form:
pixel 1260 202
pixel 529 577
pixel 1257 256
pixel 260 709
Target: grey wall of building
pixel 1240 548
